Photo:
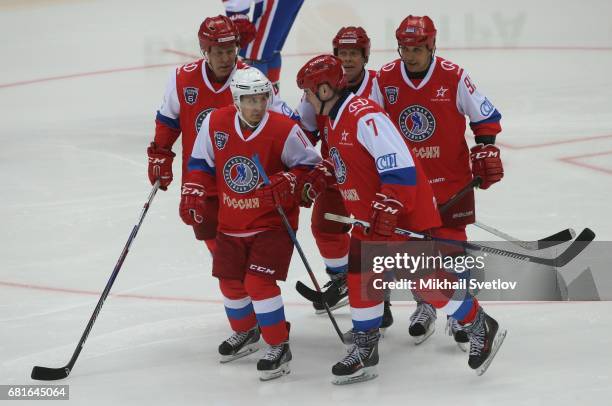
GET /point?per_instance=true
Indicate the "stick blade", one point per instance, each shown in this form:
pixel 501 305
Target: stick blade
pixel 562 236
pixel 309 294
pixel 580 243
pixel 49 374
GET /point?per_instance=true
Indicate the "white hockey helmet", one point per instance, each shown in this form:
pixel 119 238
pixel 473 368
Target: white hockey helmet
pixel 247 82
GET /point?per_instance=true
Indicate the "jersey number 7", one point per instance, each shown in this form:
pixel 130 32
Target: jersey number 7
pixel 373 124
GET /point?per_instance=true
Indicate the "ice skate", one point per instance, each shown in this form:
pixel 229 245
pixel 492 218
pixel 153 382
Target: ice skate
pixel 456 330
pixel 360 363
pixel 387 320
pixel 485 339
pixel 239 345
pixel 422 322
pixel 275 363
pixel 335 291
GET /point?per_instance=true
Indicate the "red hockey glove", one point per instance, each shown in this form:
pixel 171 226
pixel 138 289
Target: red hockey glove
pixel 160 165
pixel 245 27
pixel 486 163
pixel 280 191
pixel 383 217
pixel 315 182
pixel 193 199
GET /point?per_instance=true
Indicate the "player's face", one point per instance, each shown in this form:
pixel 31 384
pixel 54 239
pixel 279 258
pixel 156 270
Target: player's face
pixel 416 59
pixel 222 60
pixel 253 107
pixel 353 62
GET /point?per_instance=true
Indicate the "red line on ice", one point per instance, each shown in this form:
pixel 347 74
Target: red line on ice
pixel 83 74
pixel 214 301
pixel 575 160
pixel 555 143
pixel 289 55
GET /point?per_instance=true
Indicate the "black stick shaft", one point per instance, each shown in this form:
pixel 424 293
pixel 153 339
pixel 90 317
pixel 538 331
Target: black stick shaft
pixel 459 195
pixel 110 282
pixel 581 242
pixel 293 237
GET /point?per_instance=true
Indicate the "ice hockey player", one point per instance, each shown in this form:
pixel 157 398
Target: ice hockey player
pixel 379 181
pixel 352 46
pixel 253 249
pixel 192 92
pixel 264 37
pixel 428 98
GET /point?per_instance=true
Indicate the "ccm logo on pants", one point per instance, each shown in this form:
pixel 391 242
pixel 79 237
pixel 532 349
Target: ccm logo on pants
pixel 262 269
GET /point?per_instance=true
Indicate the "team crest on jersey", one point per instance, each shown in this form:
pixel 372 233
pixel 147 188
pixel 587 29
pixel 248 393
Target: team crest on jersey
pixel 339 166
pixel 200 118
pixel 220 139
pixel 240 174
pixel 191 95
pixel 392 92
pixel 417 123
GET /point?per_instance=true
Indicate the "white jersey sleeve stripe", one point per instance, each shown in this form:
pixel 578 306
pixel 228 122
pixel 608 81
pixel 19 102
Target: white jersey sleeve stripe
pixel 237 6
pixel 203 155
pixel 376 94
pixel 170 107
pixel 393 160
pixel 298 150
pixel 475 105
pixel 307 114
pixel 278 105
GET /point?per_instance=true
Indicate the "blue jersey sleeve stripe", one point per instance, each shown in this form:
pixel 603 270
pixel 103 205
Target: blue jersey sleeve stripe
pixel 493 118
pixel 170 122
pixel 402 176
pixel 196 164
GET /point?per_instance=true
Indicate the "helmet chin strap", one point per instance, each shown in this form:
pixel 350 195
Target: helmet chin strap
pixel 324 101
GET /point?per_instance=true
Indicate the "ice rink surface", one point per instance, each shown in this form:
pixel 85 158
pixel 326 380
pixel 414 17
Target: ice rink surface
pixel 80 84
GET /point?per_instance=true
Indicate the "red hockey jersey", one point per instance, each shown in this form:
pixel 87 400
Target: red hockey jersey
pixel 431 117
pixel 224 152
pixel 370 156
pixel 189 97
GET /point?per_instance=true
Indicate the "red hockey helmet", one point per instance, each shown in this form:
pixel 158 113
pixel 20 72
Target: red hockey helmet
pixel 352 37
pixel 415 31
pixel 218 31
pixel 319 70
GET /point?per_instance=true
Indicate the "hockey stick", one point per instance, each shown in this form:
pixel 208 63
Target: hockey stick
pixel 581 242
pixel 546 242
pixel 293 237
pixel 315 296
pixel 558 238
pixel 457 196
pixel 53 374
